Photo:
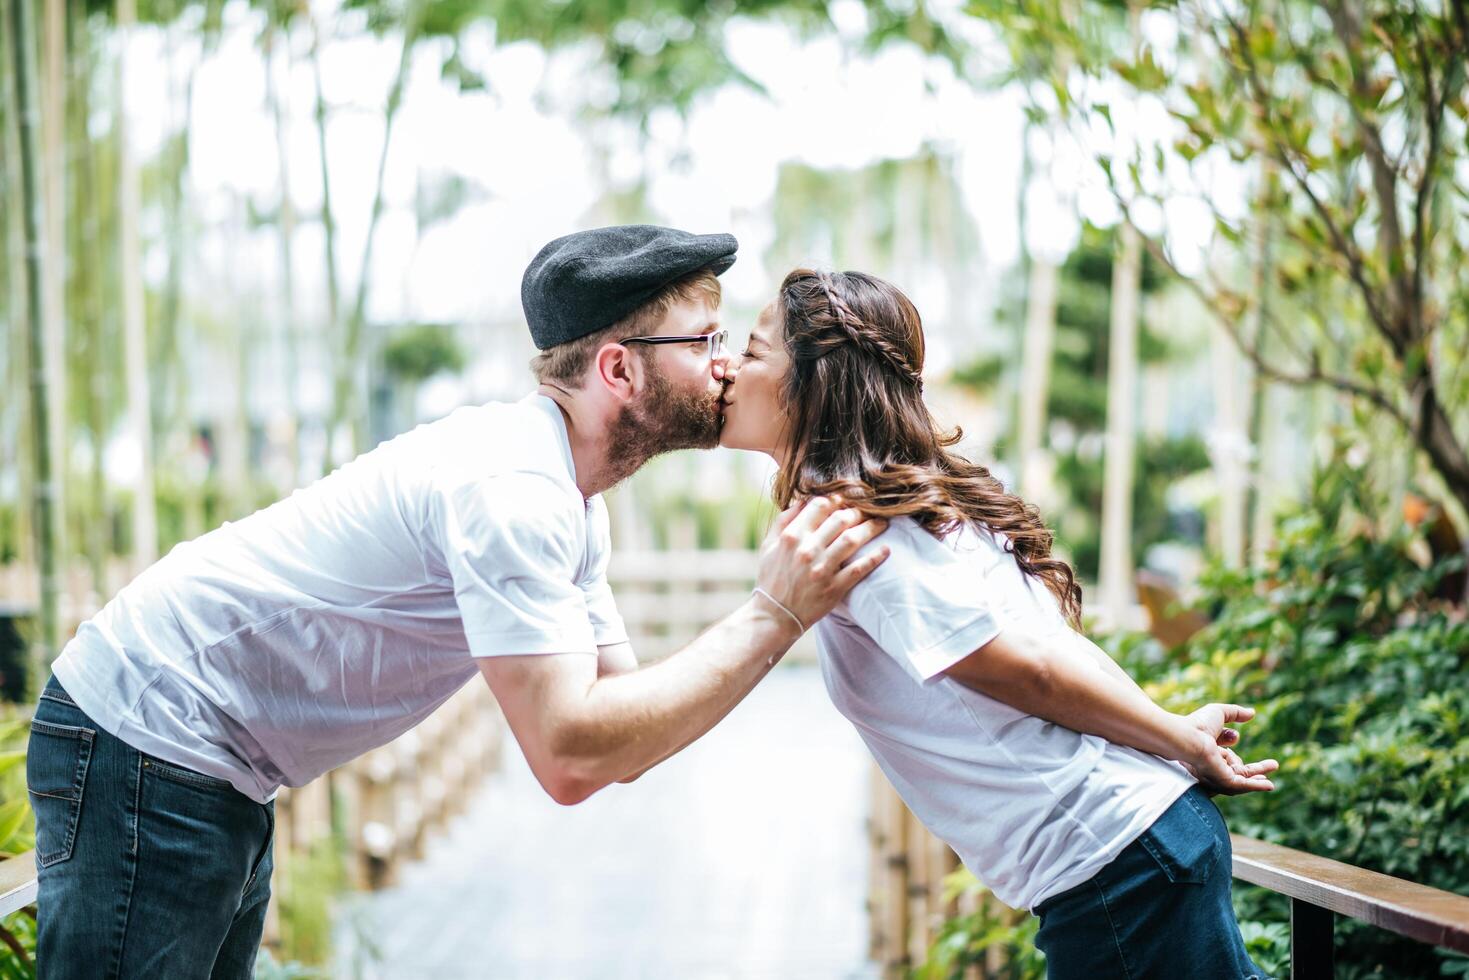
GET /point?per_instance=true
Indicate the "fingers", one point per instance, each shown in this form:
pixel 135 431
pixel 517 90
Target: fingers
pixel 838 522
pixel 851 541
pixel 1228 737
pixel 785 517
pixel 1235 713
pixel 813 513
pixel 1228 774
pixel 856 571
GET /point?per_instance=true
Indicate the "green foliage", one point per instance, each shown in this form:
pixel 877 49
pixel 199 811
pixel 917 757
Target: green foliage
pixel 17 835
pixel 659 55
pixel 420 350
pixel 889 213
pixel 1158 464
pixel 308 889
pixel 267 968
pixel 1361 681
pixel 21 929
pixel 981 374
pixel 965 940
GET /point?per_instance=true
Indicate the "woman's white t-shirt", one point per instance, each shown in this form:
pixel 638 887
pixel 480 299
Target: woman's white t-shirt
pixel 1031 807
pixel 282 645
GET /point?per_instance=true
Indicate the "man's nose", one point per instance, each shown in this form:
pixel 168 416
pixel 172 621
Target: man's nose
pixel 723 368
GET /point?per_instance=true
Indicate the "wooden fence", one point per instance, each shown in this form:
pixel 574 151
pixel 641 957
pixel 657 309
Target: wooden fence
pixel 906 902
pixel 669 597
pixel 395 796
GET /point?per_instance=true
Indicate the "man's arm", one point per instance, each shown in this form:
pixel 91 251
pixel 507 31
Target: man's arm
pixel 619 658
pixel 1077 685
pixel 581 731
pixel 616 658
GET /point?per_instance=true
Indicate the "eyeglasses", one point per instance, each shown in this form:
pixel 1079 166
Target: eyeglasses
pixel 717 342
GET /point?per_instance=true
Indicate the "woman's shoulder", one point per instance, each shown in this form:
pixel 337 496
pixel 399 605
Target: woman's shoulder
pixel 967 537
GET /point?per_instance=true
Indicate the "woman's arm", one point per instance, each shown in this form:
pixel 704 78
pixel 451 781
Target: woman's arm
pixel 1077 685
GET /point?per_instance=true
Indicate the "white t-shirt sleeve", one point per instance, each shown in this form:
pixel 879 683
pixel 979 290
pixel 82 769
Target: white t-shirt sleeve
pixel 514 547
pixel 923 606
pixel 607 625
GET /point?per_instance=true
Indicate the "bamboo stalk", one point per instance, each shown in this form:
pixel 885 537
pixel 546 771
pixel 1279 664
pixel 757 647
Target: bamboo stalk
pixel 169 402
pixel 346 399
pixel 1116 571
pixel 135 340
pixel 14 450
pixel 287 225
pixel 44 500
pixel 54 167
pixel 89 284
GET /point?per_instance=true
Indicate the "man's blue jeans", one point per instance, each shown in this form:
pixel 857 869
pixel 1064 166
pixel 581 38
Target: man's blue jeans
pixel 1161 910
pixel 146 869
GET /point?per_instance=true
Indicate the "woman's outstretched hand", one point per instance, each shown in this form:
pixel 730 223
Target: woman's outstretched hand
pixel 1216 766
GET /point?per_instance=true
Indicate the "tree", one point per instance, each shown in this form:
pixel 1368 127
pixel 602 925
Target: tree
pixel 1360 107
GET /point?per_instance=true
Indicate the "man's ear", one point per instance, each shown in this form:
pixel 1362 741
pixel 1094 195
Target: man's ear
pixel 618 370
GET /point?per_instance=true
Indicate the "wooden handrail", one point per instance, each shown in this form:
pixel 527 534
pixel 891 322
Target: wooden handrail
pixel 1429 915
pixel 17 882
pixel 1320 888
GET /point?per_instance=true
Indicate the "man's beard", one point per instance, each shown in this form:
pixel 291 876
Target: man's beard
pixel 663 420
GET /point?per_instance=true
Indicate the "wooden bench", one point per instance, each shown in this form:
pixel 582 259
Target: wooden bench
pixel 1320 889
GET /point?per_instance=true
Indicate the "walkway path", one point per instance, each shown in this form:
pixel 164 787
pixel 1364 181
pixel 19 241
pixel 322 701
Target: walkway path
pixel 742 857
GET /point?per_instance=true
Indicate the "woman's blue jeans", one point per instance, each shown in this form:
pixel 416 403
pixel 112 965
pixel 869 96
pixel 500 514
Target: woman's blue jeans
pixel 146 869
pixel 1161 910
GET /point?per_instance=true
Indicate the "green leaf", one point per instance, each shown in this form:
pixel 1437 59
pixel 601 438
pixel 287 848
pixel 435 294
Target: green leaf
pixel 13 814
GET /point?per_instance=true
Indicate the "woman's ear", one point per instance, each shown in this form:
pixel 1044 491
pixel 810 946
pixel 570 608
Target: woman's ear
pixel 618 371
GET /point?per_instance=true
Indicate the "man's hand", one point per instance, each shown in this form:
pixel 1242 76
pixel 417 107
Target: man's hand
pixel 1214 764
pixel 804 561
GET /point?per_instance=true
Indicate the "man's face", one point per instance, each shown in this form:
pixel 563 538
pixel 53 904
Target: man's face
pixel 679 406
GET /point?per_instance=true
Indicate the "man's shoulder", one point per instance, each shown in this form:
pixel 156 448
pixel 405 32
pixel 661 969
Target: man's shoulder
pixel 514 440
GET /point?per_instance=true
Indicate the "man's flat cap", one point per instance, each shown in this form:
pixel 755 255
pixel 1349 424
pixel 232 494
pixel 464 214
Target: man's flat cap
pixel 583 282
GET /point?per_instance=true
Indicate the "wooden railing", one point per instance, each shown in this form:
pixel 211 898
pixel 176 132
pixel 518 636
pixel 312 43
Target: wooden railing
pixel 397 795
pixel 1320 889
pixel 907 905
pixel 17 883
pixel 669 597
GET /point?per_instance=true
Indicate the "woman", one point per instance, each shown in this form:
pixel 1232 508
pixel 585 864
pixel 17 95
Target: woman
pixel 959 662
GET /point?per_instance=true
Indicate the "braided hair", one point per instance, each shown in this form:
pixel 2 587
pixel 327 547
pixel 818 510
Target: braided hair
pixel 859 426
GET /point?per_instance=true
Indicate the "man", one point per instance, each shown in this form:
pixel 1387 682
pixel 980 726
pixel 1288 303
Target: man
pixel 280 646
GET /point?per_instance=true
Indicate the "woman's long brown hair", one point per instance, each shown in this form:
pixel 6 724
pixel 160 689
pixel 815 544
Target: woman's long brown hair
pixel 859 426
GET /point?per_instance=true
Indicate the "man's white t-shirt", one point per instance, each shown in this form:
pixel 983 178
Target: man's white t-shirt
pixel 282 645
pixel 1031 808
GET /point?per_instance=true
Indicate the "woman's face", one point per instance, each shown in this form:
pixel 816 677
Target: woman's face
pixel 754 412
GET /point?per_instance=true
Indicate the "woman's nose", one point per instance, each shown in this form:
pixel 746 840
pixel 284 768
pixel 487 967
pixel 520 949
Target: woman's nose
pixel 725 368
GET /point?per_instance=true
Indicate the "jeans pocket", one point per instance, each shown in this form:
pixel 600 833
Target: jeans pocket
pixel 1183 843
pixel 56 774
pixel 181 774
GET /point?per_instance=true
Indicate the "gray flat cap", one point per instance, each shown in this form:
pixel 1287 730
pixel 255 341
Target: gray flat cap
pixel 585 281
